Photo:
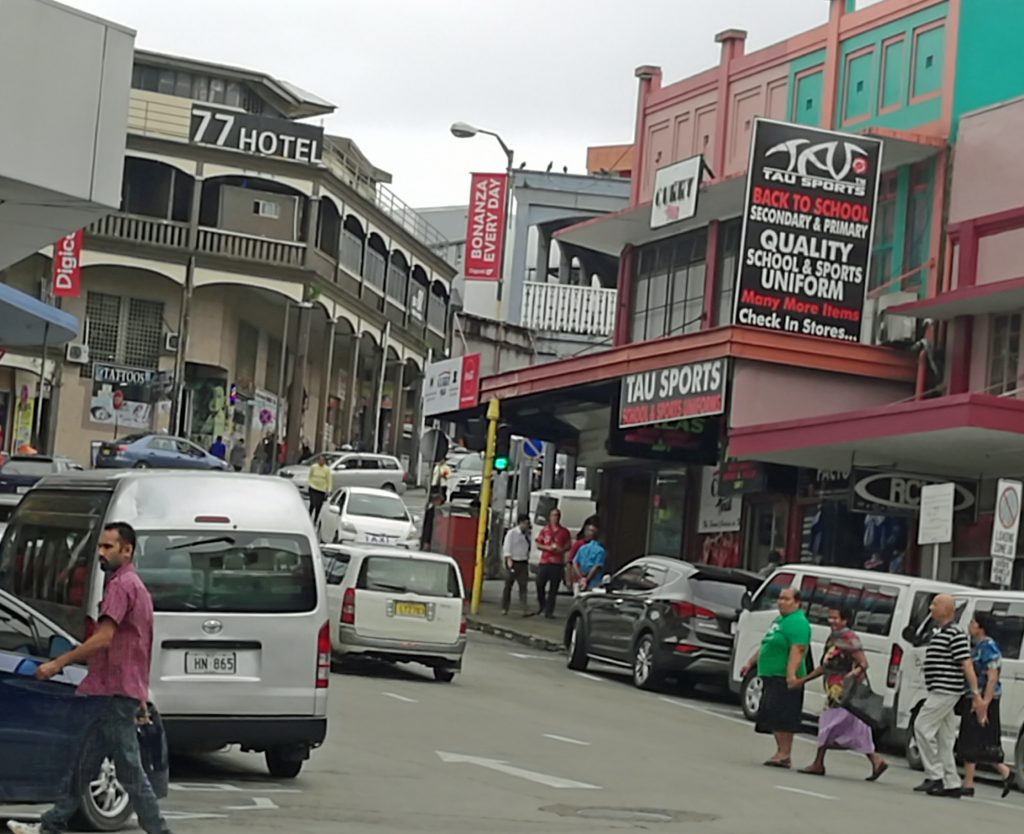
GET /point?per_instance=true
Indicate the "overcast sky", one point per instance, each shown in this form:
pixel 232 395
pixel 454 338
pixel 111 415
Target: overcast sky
pixel 551 76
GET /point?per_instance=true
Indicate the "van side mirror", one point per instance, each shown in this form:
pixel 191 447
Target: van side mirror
pixel 606 581
pixel 747 602
pixel 334 508
pixel 911 636
pixel 27 668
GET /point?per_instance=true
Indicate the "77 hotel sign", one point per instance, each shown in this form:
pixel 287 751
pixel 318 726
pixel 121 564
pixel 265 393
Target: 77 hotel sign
pixel 808 223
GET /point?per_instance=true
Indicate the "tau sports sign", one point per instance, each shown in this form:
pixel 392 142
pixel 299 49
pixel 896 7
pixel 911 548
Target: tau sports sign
pixel 807 230
pixel 671 394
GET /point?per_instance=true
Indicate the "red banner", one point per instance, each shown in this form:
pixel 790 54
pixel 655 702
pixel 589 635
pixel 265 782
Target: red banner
pixel 485 227
pixel 469 388
pixel 67 265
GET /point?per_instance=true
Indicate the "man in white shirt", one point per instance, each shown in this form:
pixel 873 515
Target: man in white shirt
pixel 516 552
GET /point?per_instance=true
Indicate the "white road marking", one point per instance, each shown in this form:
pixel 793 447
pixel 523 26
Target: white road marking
pixel 805 793
pixel 998 804
pixel 522 656
pixel 508 770
pixel 590 677
pixel 259 803
pixel 706 711
pixel 398 697
pixel 178 816
pixel 203 787
pixel 567 740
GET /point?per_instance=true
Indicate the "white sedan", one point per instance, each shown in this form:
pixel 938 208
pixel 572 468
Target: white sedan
pixel 369 516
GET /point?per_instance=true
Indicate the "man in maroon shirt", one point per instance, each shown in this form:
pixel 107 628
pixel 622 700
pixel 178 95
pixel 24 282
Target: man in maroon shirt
pixel 553 542
pixel 119 656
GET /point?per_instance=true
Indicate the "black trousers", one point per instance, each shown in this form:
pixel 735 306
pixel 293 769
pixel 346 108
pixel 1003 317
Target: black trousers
pixel 518 575
pixel 316 502
pixel 549 578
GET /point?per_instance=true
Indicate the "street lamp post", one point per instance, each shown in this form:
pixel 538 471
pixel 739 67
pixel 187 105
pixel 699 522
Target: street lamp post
pixel 462 130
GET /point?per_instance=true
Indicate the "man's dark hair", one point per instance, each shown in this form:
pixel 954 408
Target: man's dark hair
pixel 522 517
pixel 124 531
pixel 986 622
pixel 845 613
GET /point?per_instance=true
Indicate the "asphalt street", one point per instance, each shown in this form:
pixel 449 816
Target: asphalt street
pixel 518 743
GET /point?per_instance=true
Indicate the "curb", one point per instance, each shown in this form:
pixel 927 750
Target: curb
pixel 525 638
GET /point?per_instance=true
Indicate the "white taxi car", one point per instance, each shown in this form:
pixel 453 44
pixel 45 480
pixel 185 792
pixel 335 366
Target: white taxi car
pixel 365 515
pixel 397 605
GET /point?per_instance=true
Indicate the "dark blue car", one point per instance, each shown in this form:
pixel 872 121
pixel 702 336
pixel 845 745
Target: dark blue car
pixel 155 451
pixel 42 722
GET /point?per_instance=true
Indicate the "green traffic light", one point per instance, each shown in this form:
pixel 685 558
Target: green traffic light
pixel 501 464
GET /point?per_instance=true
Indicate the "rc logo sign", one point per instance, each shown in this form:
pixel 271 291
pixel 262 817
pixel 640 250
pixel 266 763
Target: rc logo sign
pixel 809 160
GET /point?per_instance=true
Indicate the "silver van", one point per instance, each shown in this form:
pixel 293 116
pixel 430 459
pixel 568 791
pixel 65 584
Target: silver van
pixel 241 645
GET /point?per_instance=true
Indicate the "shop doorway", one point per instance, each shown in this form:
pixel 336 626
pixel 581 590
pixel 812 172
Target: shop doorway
pixel 626 521
pixel 666 531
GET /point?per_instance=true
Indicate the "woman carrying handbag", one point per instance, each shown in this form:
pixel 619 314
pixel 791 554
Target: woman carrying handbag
pixel 838 728
pixel 980 738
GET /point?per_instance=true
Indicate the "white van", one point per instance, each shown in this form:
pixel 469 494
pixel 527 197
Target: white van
pixel 241 644
pixel 1007 611
pixel 889 609
pixel 576 507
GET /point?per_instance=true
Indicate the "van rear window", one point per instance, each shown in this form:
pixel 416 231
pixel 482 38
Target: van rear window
pixel 409 576
pixel 231 572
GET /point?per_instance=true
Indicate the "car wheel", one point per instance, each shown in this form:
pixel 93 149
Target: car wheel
pixel 283 763
pixel 577 646
pixel 390 487
pixel 442 674
pixel 751 694
pixel 141 465
pixel 103 802
pixel 645 671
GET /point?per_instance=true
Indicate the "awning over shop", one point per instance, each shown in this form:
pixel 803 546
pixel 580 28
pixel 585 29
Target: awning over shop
pixel 967 435
pixel 978 300
pixel 28 322
pixel 721 200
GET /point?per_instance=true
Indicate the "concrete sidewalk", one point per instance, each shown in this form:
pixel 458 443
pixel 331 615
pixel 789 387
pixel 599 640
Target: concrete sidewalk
pixel 535 631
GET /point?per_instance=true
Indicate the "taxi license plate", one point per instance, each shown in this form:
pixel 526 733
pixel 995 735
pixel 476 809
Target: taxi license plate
pixel 411 609
pixel 378 539
pixel 210 663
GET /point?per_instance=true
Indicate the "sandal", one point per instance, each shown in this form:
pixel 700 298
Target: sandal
pixel 785 764
pixel 812 771
pixel 878 771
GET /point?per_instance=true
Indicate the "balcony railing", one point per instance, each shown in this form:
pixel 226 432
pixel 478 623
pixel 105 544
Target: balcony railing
pixel 563 308
pixel 137 229
pixel 250 248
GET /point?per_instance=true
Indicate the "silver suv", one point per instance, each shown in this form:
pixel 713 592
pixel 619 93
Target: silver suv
pixel 352 469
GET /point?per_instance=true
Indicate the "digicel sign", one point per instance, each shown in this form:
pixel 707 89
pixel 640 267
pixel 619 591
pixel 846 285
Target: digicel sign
pixel 485 230
pixel 67 265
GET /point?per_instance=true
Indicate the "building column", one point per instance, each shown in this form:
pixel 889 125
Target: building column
pixel 564 266
pixel 293 438
pixel 515 277
pixel 398 411
pixel 543 255
pixel 569 478
pixel 322 440
pixel 550 464
pixel 353 390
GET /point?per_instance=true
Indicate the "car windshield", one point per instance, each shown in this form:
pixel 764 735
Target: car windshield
pixel 405 575
pixel 376 506
pixel 28 467
pixel 330 457
pixel 471 463
pixel 264 573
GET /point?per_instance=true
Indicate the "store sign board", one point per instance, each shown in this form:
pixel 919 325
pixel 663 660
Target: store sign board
pixel 808 221
pixel 935 520
pixel 741 477
pixel 67 265
pixel 486 221
pixel 683 441
pixel 672 394
pixel 223 127
pixel 122 396
pixel 451 385
pixel 676 189
pixel 899 493
pixel 717 514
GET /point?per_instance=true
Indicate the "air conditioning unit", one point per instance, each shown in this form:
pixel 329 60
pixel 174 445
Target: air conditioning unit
pixel 171 341
pixel 76 353
pixel 896 330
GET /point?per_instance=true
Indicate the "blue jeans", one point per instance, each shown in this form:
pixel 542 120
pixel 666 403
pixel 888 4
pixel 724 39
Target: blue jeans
pixel 114 734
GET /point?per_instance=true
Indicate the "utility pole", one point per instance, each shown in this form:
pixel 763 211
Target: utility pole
pixel 493 415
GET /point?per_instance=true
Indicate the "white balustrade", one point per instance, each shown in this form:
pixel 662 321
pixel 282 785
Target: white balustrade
pixel 564 308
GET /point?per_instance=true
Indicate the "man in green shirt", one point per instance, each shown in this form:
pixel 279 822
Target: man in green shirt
pixel 780 662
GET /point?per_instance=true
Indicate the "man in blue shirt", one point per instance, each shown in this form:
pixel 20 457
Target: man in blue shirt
pixel 219 448
pixel 590 561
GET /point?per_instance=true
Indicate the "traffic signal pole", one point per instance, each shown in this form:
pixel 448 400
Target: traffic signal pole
pixel 493 416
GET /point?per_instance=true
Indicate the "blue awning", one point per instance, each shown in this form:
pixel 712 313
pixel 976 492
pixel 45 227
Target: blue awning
pixel 28 322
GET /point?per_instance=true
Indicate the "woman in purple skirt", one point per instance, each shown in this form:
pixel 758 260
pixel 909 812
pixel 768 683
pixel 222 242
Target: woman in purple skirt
pixel 839 729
